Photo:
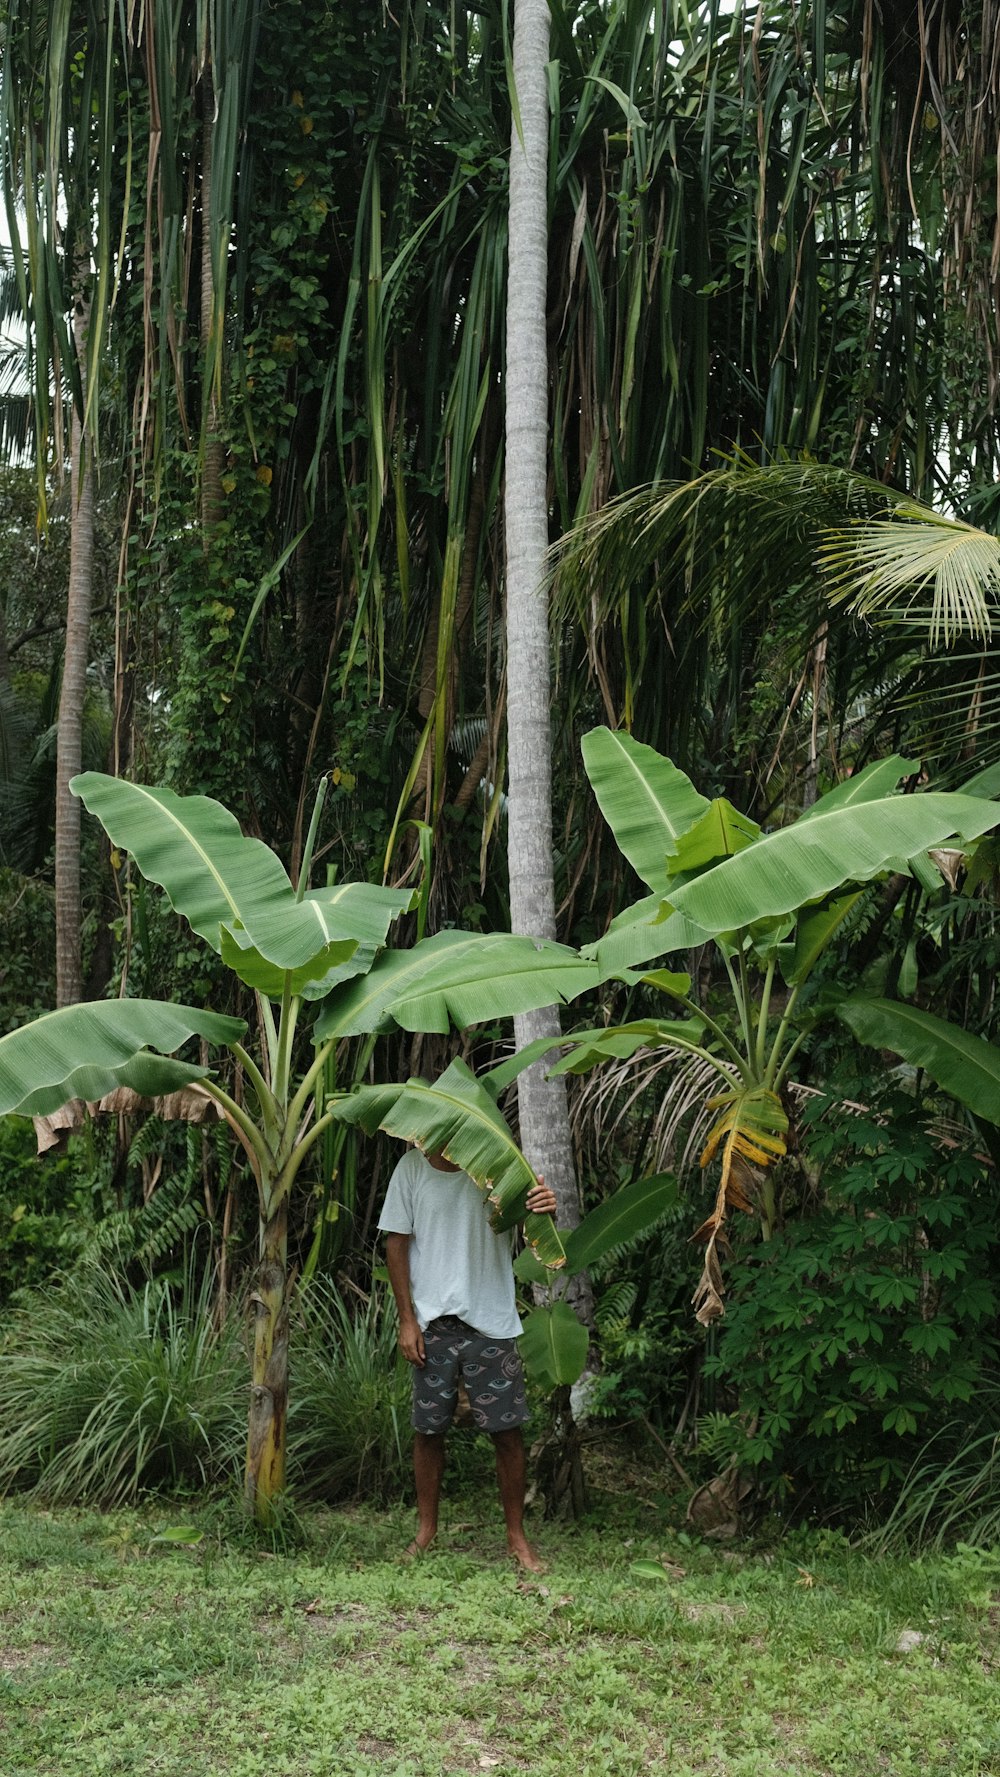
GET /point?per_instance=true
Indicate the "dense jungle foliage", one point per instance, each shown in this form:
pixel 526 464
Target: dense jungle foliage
pixel 772 359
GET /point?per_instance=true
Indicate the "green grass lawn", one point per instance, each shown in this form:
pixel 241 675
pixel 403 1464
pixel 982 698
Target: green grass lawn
pixel 121 1655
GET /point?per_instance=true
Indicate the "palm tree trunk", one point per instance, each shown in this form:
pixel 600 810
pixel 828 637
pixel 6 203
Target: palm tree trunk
pixel 69 745
pixel 545 1134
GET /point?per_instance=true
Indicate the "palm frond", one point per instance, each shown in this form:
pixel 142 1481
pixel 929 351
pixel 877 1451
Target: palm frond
pixel 917 567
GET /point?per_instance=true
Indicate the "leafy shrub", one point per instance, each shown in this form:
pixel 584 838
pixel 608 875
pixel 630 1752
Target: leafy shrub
pixel 107 1390
pixel 857 1331
pixel 45 1214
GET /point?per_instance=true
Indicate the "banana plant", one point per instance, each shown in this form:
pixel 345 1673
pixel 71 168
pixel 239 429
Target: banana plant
pixel 771 904
pixel 554 1344
pixel 965 1066
pixel 294 946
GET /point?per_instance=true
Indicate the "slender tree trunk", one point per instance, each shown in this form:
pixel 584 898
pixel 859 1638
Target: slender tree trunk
pixel 212 451
pixel 266 1434
pixel 69 744
pixel 545 1133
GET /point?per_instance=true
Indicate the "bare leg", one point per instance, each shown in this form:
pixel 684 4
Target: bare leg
pixel 428 1470
pixel 509 1446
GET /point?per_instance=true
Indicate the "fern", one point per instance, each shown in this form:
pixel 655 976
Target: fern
pixel 615 1306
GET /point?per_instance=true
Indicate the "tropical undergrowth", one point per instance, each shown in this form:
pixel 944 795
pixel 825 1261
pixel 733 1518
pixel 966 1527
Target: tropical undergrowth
pixel 861 1343
pixel 112 1388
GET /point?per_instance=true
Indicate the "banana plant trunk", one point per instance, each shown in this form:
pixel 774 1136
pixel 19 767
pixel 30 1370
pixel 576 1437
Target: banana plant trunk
pixel 268 1423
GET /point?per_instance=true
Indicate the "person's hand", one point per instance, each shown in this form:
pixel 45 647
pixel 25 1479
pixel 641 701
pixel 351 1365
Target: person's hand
pixel 541 1199
pixel 411 1342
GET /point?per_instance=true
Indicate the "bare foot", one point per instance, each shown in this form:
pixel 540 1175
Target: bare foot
pixel 527 1558
pixel 419 1546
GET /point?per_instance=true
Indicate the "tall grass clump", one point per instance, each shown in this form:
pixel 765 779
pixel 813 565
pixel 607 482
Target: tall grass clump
pixel 108 1389
pixel 951 1492
pixel 348 1422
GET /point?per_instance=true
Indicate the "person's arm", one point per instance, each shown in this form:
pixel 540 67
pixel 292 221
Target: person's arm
pixel 397 1258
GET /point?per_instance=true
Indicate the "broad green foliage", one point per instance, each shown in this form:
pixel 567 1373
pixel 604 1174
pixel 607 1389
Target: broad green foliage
pixel 456 977
pixel 290 944
pixel 871 1322
pixel 965 1066
pixel 646 800
pixel 554 1345
pixel 771 901
pixel 555 1342
pixel 87 1051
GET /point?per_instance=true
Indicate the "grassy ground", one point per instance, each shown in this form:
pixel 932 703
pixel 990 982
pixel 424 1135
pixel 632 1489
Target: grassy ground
pixel 123 1655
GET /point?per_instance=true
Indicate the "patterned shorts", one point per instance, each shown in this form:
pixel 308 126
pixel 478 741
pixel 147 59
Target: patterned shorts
pixel 490 1368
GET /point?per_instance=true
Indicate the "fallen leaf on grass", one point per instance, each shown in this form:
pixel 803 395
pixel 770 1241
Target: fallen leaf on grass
pixel 805 1577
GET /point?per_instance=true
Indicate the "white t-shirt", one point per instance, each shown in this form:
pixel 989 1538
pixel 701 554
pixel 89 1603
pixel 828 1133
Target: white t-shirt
pixel 457 1264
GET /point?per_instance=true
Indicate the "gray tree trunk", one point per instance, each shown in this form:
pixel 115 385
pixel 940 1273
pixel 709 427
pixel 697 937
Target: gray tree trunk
pixel 545 1133
pixel 72 695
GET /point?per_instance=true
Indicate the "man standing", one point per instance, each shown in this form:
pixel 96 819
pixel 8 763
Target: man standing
pixel 454 1289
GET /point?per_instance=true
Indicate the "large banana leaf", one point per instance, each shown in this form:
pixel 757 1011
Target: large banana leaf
pixel 455 1117
pixel 615 1223
pixel 965 1066
pixel 215 876
pixel 554 1346
pixel 984 783
pixel 620 1219
pixel 803 863
pixel 462 977
pixel 814 931
pixel 645 930
pixel 366 908
pixel 645 799
pixel 193 848
pixel 875 781
pixel 86 1051
pixel 719 833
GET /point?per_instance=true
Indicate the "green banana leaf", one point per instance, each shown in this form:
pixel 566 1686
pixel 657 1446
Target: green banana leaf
pixel 720 833
pixel 869 785
pixel 554 1346
pixel 368 909
pixel 216 877
pixel 456 1117
pixel 814 931
pixel 643 931
pixel 460 977
pixel 645 799
pixel 984 783
pixel 88 1050
pixel 965 1066
pixel 809 860
pixel 615 1223
pixel 617 1042
pixel 506 1072
pixel 620 1219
